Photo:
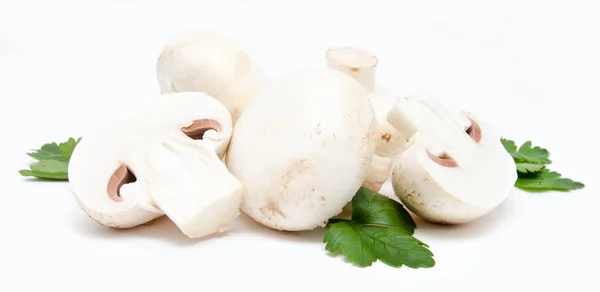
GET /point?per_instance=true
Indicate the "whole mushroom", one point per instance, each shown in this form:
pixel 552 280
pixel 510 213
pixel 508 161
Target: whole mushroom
pixel 204 61
pixel 163 156
pixel 362 66
pixel 302 148
pixel 454 168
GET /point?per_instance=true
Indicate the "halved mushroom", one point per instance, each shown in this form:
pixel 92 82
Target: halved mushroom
pixel 303 148
pixel 162 157
pixel 362 66
pixel 204 61
pixel 454 169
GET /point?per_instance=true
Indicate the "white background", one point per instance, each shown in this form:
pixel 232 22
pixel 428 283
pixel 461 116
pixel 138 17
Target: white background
pixel 529 67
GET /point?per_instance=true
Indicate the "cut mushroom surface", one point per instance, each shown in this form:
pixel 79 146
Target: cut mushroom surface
pixel 204 61
pixel 454 169
pixel 362 65
pixel 303 148
pixel 163 156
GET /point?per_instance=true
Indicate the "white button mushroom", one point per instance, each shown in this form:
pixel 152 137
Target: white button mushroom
pixel 454 168
pixel 362 66
pixel 204 61
pixel 161 157
pixel 302 149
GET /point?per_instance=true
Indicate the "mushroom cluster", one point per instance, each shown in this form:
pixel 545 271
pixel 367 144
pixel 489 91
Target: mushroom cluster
pixel 221 138
pixel 162 157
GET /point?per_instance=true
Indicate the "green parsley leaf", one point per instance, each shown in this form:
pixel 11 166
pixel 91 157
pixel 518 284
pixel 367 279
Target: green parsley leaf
pixel 66 148
pixel 510 147
pixel 529 167
pixel 380 229
pixel 364 244
pixel 50 151
pixel 53 160
pixel 526 153
pixel 547 180
pixel 536 155
pixel 543 174
pixel 532 170
pixel 369 207
pixel 343 236
pixel 47 169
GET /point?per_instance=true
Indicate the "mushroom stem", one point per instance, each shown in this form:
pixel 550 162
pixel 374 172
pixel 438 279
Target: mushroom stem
pixel 378 173
pixel 358 64
pixel 397 117
pixel 193 188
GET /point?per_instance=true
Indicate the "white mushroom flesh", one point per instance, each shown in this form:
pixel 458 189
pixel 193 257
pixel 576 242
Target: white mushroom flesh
pixel 204 61
pixel 161 157
pixel 193 187
pixel 454 169
pixel 302 149
pixel 362 66
pixel 378 173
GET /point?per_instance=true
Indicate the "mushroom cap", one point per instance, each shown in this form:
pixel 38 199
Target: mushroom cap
pixel 204 61
pixel 302 148
pixel 126 142
pixel 448 173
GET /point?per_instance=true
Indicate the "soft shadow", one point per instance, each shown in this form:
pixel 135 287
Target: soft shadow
pixel 36 179
pixel 250 225
pixel 161 229
pixel 312 236
pixel 477 228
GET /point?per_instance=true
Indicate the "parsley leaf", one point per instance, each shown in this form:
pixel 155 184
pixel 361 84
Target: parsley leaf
pixel 529 167
pixel 66 148
pixel 369 207
pixel 50 151
pixel 532 170
pixel 47 169
pixel 510 147
pixel 52 160
pixel 527 154
pixel 547 180
pixel 380 229
pixel 536 154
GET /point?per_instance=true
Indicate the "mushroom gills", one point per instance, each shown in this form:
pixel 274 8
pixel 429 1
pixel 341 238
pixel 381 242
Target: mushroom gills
pixel 198 127
pixel 123 181
pixel 474 131
pixel 121 176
